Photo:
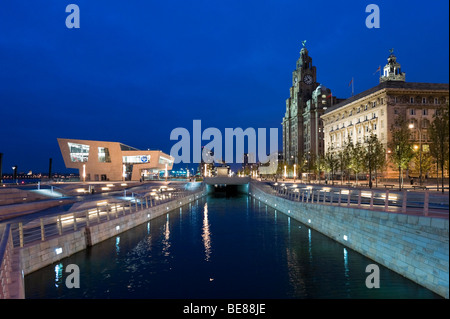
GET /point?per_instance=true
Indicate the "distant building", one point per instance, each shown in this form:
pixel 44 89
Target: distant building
pixel 112 161
pixel 375 110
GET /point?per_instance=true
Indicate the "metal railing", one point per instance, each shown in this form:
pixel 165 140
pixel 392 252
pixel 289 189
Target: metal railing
pixel 423 203
pixel 40 229
pixel 6 251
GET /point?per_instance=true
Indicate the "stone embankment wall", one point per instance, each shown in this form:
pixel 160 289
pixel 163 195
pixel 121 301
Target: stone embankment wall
pixel 38 255
pixel 416 247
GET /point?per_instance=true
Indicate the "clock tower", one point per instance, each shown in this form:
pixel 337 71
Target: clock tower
pixel 303 84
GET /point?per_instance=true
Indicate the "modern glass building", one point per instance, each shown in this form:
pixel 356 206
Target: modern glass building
pixel 112 161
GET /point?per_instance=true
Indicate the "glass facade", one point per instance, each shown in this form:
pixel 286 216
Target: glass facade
pixel 78 152
pixel 164 160
pixel 103 155
pixel 136 159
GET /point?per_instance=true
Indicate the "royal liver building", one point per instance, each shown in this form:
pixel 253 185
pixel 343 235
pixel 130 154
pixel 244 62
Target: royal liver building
pixel 302 127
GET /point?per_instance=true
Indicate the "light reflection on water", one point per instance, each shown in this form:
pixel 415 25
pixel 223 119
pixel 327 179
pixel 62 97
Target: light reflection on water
pixel 220 248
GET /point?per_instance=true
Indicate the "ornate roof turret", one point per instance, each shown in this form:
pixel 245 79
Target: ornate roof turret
pixel 392 70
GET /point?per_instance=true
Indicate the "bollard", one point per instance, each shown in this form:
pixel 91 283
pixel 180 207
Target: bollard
pixel 371 199
pixel 348 198
pixel 359 199
pixel 339 200
pixel 146 201
pixel 405 195
pixel 98 215
pixel 426 202
pixel 74 222
pixel 42 230
pixel 59 225
pixel 386 201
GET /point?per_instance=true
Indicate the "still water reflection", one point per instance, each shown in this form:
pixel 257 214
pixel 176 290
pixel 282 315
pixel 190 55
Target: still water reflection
pixel 220 248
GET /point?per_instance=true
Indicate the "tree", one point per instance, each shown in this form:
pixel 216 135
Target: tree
pixel 373 155
pixel 356 162
pixel 331 161
pixel 439 136
pixel 426 161
pixel 319 165
pixel 302 165
pixel 401 148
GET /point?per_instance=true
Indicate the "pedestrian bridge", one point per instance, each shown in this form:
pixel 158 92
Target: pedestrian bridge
pixel 229 186
pixel 225 180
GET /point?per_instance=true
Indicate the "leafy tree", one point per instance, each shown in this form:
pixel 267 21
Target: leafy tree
pixel 331 160
pixel 373 155
pixel 439 136
pixel 319 165
pixel 427 162
pixel 401 148
pixel 356 162
pixel 345 158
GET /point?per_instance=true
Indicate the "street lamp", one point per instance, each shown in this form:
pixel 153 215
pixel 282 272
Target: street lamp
pixel 294 172
pixel 419 129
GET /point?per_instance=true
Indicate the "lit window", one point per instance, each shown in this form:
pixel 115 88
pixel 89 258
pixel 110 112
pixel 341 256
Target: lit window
pixel 103 155
pixel 164 160
pixel 78 152
pixel 136 159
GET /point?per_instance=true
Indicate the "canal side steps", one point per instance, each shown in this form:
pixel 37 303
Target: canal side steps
pixel 416 247
pixel 47 250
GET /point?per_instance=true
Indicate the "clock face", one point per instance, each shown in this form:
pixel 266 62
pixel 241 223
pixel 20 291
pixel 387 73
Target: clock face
pixel 308 79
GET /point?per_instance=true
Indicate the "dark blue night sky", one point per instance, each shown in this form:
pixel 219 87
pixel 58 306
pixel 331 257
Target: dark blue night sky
pixel 135 70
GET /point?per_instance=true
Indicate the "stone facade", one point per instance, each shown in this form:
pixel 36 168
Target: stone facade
pixel 302 126
pixel 375 111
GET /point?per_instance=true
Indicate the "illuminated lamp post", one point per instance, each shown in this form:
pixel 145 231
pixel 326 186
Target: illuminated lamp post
pixel 411 126
pixel 285 172
pixel 295 172
pixel 84 173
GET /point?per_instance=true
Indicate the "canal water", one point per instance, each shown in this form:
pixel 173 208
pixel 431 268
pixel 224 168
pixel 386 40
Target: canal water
pixel 220 247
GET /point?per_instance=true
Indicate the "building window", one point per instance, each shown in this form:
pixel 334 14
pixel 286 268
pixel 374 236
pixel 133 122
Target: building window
pixel 424 100
pixel 412 111
pixel 136 159
pixel 382 101
pixel 374 104
pixel 425 111
pixel 395 99
pixel 103 155
pixel 164 160
pixel 395 111
pixel 436 100
pixel 411 100
pixel 78 152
